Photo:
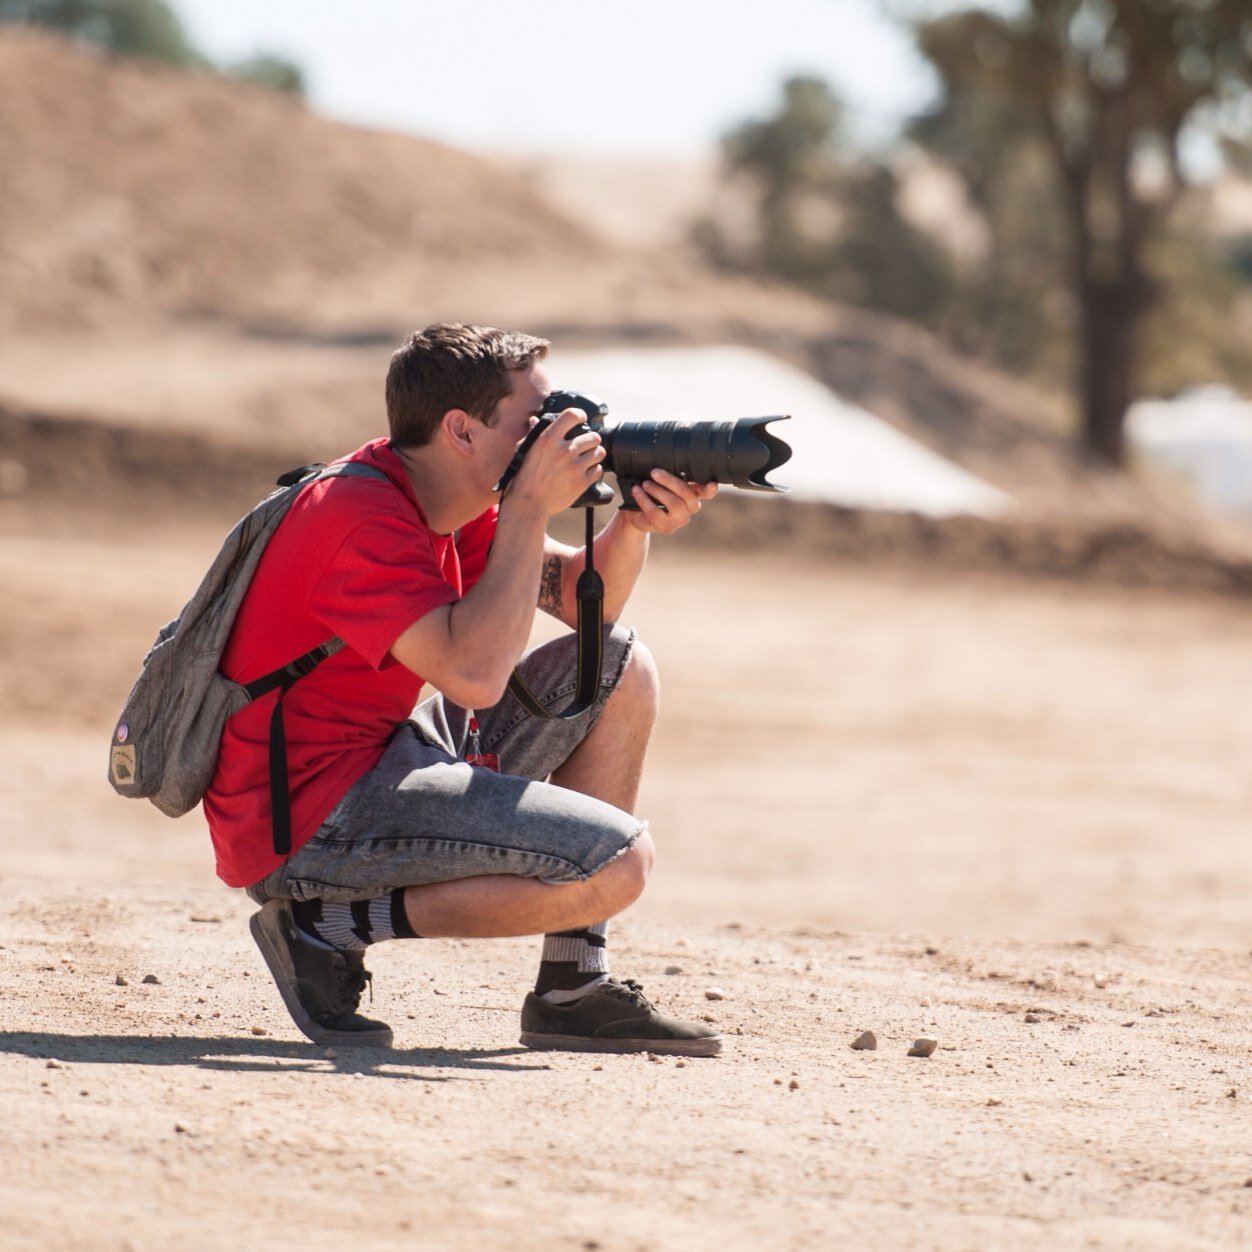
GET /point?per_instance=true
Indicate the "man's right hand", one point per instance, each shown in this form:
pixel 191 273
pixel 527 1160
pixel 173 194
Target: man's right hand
pixel 557 470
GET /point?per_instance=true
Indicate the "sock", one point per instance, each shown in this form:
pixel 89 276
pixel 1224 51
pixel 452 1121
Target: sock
pixel 573 962
pixel 354 925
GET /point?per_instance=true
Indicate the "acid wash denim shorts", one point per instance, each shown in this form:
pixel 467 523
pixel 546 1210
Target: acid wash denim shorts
pixel 423 815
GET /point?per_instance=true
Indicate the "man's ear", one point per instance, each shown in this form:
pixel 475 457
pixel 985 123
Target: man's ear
pixel 458 428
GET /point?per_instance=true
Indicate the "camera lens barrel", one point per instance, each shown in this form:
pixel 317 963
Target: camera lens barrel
pixel 741 452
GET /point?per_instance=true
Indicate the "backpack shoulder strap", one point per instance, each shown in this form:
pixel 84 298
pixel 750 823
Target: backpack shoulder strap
pixel 286 676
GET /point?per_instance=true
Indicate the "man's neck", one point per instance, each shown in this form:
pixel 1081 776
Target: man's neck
pixel 447 503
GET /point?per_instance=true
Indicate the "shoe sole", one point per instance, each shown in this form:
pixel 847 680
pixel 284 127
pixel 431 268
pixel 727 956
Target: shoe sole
pixel 265 927
pixel 539 1042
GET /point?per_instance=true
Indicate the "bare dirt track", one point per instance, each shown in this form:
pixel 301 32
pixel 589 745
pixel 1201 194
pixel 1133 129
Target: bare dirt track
pixel 1009 816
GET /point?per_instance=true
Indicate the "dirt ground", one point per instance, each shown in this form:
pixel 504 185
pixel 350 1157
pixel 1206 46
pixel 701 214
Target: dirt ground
pixel 1009 816
pixel 1008 813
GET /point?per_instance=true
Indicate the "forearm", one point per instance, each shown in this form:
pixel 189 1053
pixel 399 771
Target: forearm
pixel 468 648
pixel 490 625
pixel 619 555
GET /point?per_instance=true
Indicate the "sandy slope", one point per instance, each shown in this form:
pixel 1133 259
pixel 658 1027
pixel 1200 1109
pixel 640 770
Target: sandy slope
pixel 960 803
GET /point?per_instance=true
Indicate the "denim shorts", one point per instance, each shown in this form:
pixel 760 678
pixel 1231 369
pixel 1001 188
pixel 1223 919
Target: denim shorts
pixel 423 815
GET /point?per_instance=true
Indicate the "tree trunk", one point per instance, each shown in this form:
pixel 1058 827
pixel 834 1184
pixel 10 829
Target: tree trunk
pixel 1108 361
pixel 1112 288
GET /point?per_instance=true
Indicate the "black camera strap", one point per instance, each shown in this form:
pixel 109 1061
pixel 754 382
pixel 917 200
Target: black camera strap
pixel 590 594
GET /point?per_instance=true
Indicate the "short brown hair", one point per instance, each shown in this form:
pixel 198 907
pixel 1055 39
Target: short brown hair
pixel 451 365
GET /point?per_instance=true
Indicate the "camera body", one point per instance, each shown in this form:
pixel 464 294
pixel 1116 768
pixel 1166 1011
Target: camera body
pixel 740 452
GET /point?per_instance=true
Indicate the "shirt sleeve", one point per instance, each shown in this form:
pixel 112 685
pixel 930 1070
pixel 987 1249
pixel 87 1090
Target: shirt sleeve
pixel 381 579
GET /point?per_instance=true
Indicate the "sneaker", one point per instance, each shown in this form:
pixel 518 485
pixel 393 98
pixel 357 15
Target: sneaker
pixel 320 985
pixel 614 1017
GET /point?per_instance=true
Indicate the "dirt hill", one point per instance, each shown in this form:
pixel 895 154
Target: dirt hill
pixel 132 188
pixel 241 266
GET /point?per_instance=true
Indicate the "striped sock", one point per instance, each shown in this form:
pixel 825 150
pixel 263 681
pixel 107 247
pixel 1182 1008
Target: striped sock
pixel 355 925
pixel 573 962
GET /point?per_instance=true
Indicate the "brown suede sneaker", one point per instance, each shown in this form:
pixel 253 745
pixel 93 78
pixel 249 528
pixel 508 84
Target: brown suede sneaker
pixel 613 1017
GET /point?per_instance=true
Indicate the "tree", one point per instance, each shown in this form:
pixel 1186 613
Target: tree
pixel 1110 89
pixel 273 72
pixel 148 28
pixel 823 217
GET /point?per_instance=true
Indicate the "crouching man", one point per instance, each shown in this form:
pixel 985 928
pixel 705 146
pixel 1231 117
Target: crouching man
pixel 464 816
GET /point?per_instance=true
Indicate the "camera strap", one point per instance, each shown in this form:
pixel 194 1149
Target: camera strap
pixel 590 595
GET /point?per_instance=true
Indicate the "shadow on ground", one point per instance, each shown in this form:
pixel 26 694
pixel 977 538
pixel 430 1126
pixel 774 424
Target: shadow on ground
pixel 265 1055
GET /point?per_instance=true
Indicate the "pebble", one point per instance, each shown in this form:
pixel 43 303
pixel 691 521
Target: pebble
pixel 793 1085
pixel 866 1041
pixel 330 1054
pixel 714 993
pixel 673 969
pixel 924 1045
pixel 121 981
pixel 259 1030
pixel 152 978
pixel 994 1101
pixel 1032 1018
pixel 50 1064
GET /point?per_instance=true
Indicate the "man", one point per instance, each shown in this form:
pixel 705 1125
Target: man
pixel 401 828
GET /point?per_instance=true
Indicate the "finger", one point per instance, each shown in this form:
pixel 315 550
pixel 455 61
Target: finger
pixel 669 511
pixel 657 515
pixel 667 479
pixel 667 501
pixel 688 492
pixel 683 503
pixel 586 442
pixel 563 423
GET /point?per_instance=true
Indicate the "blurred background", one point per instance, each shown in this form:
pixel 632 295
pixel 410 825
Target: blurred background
pixel 981 671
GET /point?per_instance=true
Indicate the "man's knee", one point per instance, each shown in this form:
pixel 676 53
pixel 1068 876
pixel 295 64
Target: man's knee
pixel 623 879
pixel 640 683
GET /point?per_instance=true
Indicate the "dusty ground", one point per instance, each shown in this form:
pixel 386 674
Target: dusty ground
pixel 1010 816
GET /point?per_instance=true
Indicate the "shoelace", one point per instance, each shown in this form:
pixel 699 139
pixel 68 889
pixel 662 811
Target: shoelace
pixel 351 982
pixel 631 989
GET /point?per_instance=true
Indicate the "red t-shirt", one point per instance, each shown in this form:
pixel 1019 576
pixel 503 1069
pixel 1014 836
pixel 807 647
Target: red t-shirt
pixel 353 557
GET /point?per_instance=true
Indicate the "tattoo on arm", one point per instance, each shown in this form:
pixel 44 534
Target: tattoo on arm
pixel 550 586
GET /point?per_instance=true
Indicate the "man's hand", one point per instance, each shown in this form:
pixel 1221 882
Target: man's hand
pixel 556 471
pixel 666 503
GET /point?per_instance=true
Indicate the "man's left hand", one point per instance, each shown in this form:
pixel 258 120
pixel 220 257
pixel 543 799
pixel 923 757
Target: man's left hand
pixel 667 503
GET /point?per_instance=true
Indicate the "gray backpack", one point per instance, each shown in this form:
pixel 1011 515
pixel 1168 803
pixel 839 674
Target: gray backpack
pixel 165 745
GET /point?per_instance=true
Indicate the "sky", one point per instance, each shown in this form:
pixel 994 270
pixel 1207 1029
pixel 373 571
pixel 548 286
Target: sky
pixel 652 78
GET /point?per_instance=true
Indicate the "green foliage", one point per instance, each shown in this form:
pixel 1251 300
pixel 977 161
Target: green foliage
pixel 272 72
pixel 148 28
pixel 1105 91
pixel 145 28
pixel 821 219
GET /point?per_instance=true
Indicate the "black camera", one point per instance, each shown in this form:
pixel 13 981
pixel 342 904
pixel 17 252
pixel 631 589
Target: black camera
pixel 741 452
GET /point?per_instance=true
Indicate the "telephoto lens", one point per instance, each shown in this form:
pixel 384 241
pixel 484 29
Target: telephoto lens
pixel 741 452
